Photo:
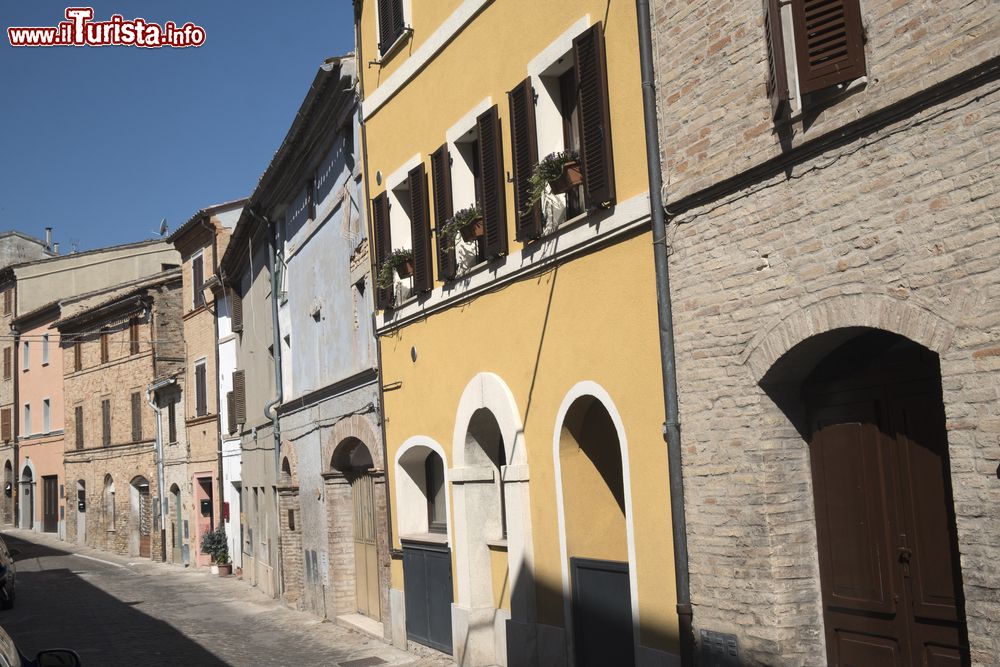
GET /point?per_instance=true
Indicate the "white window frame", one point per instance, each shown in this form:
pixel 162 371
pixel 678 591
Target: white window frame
pixel 46 415
pixel 27 419
pixel 26 356
pixel 403 36
pixel 45 349
pixel 463 183
pixel 400 232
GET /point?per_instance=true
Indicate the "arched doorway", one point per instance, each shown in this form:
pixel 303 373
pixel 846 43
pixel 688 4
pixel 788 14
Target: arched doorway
pixel 8 492
pixel 595 523
pixel 27 505
pixel 140 517
pixel 353 459
pixel 890 575
pixel 422 501
pixel 290 518
pixel 81 512
pixel 176 525
pixel 110 513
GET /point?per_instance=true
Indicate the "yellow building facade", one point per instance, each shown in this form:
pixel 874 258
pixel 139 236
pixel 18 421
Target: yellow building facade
pixel 522 391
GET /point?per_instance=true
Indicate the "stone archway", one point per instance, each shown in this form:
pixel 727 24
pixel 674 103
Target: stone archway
pixel 140 520
pixel 356 509
pixel 290 529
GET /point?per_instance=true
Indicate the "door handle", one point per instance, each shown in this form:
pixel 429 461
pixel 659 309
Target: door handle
pixel 905 554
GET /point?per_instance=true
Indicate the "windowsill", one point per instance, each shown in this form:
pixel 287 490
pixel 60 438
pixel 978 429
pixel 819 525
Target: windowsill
pixel 820 100
pixel 425 538
pixel 497 545
pixel 395 47
pixel 44 364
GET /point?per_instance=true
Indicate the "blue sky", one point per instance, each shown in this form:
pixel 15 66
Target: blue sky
pixel 102 143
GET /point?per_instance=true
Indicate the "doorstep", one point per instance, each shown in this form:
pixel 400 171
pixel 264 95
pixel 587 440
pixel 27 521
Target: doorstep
pixel 362 623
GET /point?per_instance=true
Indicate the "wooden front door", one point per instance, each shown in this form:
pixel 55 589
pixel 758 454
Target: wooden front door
pixel 145 521
pixel 50 504
pixel 365 547
pixel 888 553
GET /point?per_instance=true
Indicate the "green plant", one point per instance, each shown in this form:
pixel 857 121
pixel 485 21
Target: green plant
pixel 545 172
pixel 215 545
pixel 395 259
pixel 454 224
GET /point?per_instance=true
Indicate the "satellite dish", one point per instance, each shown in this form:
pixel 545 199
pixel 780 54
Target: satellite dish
pixel 163 227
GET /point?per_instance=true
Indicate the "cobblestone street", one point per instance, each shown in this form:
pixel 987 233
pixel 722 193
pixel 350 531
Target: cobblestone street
pixel 116 611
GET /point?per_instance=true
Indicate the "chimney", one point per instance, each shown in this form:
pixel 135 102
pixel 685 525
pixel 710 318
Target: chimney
pixel 55 248
pixel 48 238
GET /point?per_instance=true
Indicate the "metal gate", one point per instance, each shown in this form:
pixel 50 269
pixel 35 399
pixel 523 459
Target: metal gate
pixel 365 547
pixel 427 580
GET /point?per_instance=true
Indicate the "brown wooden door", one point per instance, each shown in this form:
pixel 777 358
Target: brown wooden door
pixel 365 546
pixel 50 504
pixel 888 555
pixel 145 521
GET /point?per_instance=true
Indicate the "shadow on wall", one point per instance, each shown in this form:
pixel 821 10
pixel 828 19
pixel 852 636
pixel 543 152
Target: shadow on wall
pixel 101 628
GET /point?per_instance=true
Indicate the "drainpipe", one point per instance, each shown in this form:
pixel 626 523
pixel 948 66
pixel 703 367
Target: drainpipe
pixel 672 426
pixel 151 389
pixel 269 408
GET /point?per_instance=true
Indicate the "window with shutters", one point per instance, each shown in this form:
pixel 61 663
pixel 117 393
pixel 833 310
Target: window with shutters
pixel 200 389
pixel 5 425
pixel 393 18
pixel 106 422
pixel 8 301
pixel 77 356
pixel 197 280
pixel 78 425
pixel 814 48
pixel 230 412
pixel 398 224
pixel 466 181
pixel 571 114
pixel 240 396
pixel 105 355
pixel 172 420
pixel 236 314
pixel 133 336
pixel 136 416
pixel 7 356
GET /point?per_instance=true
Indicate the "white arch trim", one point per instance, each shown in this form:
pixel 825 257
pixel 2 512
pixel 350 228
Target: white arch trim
pixel 588 388
pixel 489 391
pixel 405 487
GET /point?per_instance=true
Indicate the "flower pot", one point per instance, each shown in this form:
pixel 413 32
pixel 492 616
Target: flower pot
pixel 225 570
pixel 215 568
pixel 405 270
pixel 473 229
pixel 568 179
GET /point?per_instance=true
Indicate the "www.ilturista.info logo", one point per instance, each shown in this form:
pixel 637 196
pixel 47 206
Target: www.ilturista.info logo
pixel 79 29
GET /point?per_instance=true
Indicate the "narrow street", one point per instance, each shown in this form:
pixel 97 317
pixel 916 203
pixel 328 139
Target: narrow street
pixel 117 611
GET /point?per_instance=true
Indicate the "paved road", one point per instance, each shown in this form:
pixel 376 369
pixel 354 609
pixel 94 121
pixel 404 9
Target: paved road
pixel 114 611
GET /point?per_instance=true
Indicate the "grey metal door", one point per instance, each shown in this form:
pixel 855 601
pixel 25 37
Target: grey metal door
pixel 427 577
pixel 602 613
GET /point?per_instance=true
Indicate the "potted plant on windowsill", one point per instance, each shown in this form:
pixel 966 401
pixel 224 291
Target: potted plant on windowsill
pixel 400 261
pixel 468 222
pixel 559 172
pixel 214 544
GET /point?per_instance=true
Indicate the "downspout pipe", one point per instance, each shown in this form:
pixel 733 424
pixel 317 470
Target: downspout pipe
pixel 672 425
pixel 151 390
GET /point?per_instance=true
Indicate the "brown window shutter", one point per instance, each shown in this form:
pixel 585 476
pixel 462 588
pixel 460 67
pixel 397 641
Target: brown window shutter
pixel 595 117
pixel 492 194
pixel 172 420
pixel 443 210
pixel 6 302
pixel 524 155
pixel 136 417
pixel 197 280
pixel 6 363
pixel 231 412
pixel 77 356
pixel 78 425
pixel 106 422
pixel 133 336
pixel 240 393
pixel 390 23
pixel 383 246
pixel 777 77
pixel 236 314
pixel 5 425
pixel 420 230
pixel 104 348
pixel 829 42
pixel 200 391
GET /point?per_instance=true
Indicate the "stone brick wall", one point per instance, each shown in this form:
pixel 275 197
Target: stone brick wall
pixel 711 59
pixel 897 230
